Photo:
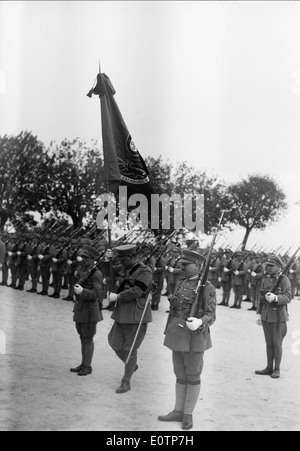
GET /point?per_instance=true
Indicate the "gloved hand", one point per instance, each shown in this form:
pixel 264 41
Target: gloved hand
pixel 78 289
pixel 171 269
pixel 9 254
pixel 29 257
pixel 41 257
pixel 253 274
pixel 113 297
pixel 109 253
pixel 69 262
pixel 236 273
pixel 258 319
pixel 54 260
pixel 194 323
pixel 292 271
pixel 19 253
pixel 271 297
pixel 226 270
pixel 79 259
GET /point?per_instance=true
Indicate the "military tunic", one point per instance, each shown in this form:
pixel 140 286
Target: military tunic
pixel 133 286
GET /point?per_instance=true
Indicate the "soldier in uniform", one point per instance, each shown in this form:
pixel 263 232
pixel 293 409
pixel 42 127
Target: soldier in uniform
pixel 3 262
pixel 256 272
pixel 226 275
pixel 135 280
pixel 59 261
pixel 33 263
pixel 214 270
pixel 240 270
pixel 188 337
pixel 48 251
pixel 87 309
pixel 272 314
pixel 2 252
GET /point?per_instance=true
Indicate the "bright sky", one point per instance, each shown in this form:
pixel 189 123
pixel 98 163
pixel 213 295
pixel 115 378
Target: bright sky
pixel 214 83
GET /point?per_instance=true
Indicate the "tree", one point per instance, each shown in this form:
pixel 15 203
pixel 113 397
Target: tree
pixel 75 178
pixel 188 180
pixel 21 186
pixel 255 203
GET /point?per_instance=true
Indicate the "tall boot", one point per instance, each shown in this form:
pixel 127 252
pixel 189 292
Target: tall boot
pixel 192 396
pixel 88 352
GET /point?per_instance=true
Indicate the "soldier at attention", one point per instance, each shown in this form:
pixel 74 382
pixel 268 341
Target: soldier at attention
pixel 272 314
pixel 135 279
pixel 189 337
pixel 87 309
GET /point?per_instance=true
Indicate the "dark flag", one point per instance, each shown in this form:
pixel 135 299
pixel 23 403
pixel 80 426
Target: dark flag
pixel 122 161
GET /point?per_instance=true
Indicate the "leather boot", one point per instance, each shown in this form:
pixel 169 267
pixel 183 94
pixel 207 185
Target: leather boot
pixel 76 370
pixel 275 374
pixel 172 416
pixel 86 370
pixel 187 422
pixel 124 387
pixel 265 372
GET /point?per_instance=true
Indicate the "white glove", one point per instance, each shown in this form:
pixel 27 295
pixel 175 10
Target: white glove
pixel 54 260
pixel 171 269
pixel 292 271
pixel 9 254
pixel 113 297
pixel 194 323
pixel 29 257
pixel 41 257
pixel 104 281
pixel 78 289
pixel 79 259
pixel 236 273
pixel 166 268
pixel 258 319
pixel 253 274
pixel 226 270
pixel 220 279
pixel 271 297
pixel 19 253
pixel 210 268
pixel 109 253
pixel 69 262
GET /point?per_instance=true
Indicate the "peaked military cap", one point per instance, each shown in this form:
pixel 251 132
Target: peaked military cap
pixel 191 257
pixel 126 249
pixel 89 252
pixel 274 260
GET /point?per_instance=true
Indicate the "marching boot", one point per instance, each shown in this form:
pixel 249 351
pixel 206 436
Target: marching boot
pixel 187 422
pixel 265 372
pixel 86 370
pixel 275 374
pixel 172 416
pixel 77 369
pixel 124 387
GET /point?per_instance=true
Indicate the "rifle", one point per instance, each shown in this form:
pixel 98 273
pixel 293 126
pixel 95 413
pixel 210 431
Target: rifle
pixel 148 299
pixel 240 268
pixel 56 238
pixel 282 273
pixel 229 264
pixel 204 275
pixel 68 242
pixel 159 244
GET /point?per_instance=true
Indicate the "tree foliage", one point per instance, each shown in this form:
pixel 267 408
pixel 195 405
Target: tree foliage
pixel 255 202
pixel 21 157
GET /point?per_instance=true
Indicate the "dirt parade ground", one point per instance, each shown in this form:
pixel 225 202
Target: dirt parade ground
pixel 39 345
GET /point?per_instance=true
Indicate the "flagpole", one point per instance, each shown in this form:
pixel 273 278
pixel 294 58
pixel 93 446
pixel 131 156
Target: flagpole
pixel 111 272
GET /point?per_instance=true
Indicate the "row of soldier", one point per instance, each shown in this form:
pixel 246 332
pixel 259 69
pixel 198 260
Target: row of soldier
pixel 56 254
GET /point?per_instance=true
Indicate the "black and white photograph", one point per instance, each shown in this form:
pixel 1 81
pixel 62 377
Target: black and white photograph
pixel 149 218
